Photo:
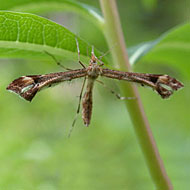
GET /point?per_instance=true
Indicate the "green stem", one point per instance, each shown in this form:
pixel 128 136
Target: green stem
pixel 114 35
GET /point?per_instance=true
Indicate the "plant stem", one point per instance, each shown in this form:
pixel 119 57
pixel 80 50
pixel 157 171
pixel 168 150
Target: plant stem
pixel 114 35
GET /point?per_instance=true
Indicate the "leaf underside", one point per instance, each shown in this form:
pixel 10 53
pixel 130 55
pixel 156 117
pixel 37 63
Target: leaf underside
pixel 26 35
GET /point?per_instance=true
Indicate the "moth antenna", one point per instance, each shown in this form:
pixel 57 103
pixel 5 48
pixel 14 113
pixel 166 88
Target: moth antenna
pixel 78 50
pixel 108 51
pixel 92 52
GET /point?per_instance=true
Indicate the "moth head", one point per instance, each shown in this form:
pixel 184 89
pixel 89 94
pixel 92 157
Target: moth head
pixel 93 59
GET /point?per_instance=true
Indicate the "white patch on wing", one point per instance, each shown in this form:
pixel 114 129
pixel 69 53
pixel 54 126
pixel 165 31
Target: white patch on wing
pixel 166 87
pixel 25 89
pixel 24 78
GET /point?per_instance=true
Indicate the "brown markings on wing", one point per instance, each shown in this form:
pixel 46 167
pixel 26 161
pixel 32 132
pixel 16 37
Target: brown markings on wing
pixel 28 86
pixel 163 84
pixel 22 83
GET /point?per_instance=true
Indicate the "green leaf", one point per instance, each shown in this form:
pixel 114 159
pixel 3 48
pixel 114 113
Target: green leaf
pixel 26 35
pixel 140 50
pixel 39 6
pixel 172 49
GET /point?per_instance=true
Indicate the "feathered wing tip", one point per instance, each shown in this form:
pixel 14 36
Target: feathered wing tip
pixel 25 86
pixel 165 85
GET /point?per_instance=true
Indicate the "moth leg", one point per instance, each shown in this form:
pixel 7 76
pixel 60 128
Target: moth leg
pixel 78 50
pixel 115 93
pixel 78 108
pixel 57 62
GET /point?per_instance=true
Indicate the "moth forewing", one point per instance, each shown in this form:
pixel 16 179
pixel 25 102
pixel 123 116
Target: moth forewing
pixel 28 86
pixel 163 84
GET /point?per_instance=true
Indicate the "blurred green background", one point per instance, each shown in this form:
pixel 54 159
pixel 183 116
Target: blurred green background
pixel 35 152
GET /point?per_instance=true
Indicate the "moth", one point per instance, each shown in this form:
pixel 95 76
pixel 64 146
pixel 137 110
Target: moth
pixel 28 86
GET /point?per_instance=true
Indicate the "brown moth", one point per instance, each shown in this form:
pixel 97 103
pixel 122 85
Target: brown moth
pixel 27 86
